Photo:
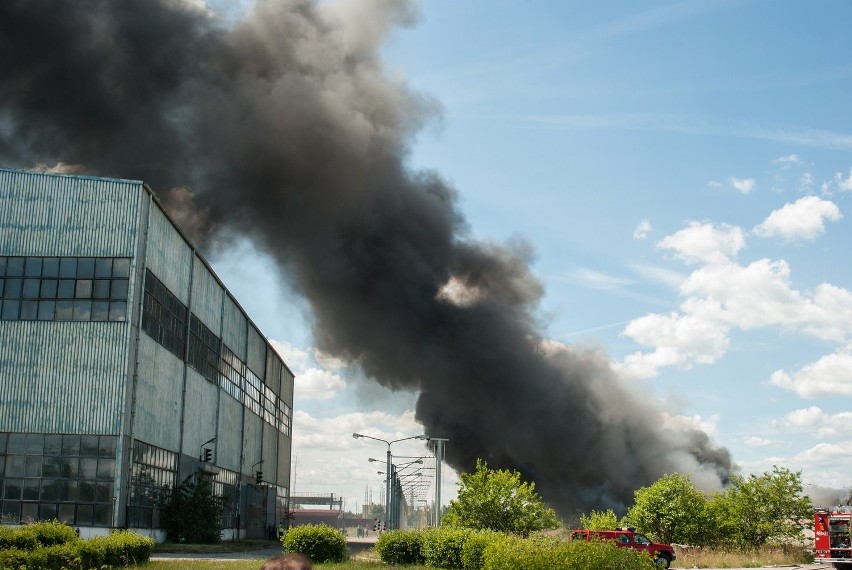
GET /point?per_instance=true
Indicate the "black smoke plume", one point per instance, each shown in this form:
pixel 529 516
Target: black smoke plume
pixel 288 129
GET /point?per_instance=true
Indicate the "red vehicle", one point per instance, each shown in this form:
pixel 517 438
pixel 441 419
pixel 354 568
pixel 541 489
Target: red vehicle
pixel 832 541
pixel 663 554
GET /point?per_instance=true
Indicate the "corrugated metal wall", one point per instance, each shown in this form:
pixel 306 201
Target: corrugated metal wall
pixel 207 297
pixel 168 255
pixel 159 395
pixel 200 413
pixel 234 328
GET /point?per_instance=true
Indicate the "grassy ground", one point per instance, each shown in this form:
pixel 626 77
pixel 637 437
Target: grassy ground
pixel 769 556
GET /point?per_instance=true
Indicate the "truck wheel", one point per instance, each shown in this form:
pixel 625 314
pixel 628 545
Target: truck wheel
pixel 662 561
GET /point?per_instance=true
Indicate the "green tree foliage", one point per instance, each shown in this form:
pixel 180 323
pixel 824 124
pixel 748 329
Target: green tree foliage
pixel 193 513
pixel 761 509
pixel 601 520
pixel 319 542
pixel 495 499
pixel 671 510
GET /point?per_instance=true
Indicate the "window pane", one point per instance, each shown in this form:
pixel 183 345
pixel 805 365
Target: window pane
pixel 64 310
pixel 15 465
pixel 29 511
pixel 48 288
pixel 87 491
pixel 35 443
pixel 50 267
pixel 33 466
pixel 103 515
pixel 15 267
pixel 121 267
pixel 12 511
pixel 118 311
pixel 29 310
pixel 83 289
pixel 52 444
pixel 70 445
pixel 12 489
pixel 11 309
pixel 3 442
pixel 119 289
pixel 47 511
pixel 50 467
pixel 100 310
pixel 13 288
pixel 106 447
pixel 101 289
pixel 46 310
pixel 85 267
pixel 106 469
pixel 89 446
pixel 82 310
pixel 68 491
pixel 17 443
pixel 66 514
pixel 103 492
pixel 84 514
pixel 50 490
pixel 31 489
pixel 103 267
pixel 32 267
pixel 66 289
pixel 70 467
pixel 2 283
pixel 68 267
pixel 2 265
pixel 31 288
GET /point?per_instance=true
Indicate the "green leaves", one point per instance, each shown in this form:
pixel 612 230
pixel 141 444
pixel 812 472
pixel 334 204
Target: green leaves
pixel 193 512
pixel 490 499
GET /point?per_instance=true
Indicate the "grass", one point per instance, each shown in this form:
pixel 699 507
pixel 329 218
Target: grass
pixel 766 556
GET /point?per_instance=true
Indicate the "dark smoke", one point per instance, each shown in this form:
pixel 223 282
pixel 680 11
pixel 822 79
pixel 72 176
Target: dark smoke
pixel 288 129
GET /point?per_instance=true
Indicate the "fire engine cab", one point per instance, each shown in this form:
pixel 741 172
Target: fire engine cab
pixel 832 541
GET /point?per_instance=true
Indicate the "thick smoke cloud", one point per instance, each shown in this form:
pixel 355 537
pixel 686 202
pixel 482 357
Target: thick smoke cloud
pixel 288 129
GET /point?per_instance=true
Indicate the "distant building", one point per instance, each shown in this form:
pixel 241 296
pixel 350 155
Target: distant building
pixel 122 359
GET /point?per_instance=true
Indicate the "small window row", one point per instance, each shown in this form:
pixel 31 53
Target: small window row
pixel 41 288
pixel 63 310
pixel 66 267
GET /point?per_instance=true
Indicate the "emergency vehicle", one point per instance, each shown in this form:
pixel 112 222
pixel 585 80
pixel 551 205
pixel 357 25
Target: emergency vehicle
pixel 832 541
pixel 663 554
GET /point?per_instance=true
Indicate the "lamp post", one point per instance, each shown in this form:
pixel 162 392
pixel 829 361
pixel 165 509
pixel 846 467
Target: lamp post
pixel 439 458
pixel 388 465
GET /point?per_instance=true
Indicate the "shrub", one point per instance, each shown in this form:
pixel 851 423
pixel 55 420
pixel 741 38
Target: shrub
pixel 510 553
pixel 442 546
pixel 53 532
pixel 118 549
pixel 13 558
pixel 320 543
pixel 398 547
pixel 474 546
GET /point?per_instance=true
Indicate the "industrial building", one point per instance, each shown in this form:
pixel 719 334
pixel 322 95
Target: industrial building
pixel 126 365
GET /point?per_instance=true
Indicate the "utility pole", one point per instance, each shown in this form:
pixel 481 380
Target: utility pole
pixel 439 459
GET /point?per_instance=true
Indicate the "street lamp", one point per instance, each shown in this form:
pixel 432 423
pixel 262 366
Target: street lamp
pixel 387 464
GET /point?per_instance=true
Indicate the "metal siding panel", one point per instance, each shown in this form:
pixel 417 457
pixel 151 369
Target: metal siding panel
pixel 284 446
pixel 234 328
pixel 251 438
pixel 199 422
pixel 168 255
pixel 256 352
pixel 270 453
pixel 207 297
pixel 50 214
pixel 229 443
pixel 62 377
pixel 158 395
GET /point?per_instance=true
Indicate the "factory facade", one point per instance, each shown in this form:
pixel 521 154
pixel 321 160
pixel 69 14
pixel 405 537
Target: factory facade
pixel 126 366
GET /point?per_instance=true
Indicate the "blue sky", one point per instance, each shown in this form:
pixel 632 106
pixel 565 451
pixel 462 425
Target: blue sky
pixel 683 174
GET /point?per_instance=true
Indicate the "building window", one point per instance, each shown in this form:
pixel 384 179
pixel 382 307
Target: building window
pixel 153 476
pixel 164 316
pixel 203 349
pixel 68 477
pixel 232 374
pixel 64 288
pixel 226 485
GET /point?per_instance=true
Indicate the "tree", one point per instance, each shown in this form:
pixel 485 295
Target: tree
pixel 193 513
pixel 762 509
pixel 671 510
pixel 601 520
pixel 490 499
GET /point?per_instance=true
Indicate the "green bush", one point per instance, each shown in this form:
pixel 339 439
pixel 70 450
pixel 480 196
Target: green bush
pixel 399 547
pixel 53 532
pixel 117 549
pixel 13 558
pixel 320 543
pixel 442 546
pixel 510 553
pixel 474 546
pixel 23 538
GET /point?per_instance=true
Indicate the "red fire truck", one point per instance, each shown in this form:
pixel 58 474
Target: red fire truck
pixel 832 541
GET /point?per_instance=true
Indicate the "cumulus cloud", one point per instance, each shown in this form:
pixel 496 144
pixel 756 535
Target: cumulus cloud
pixel 828 376
pixel 803 219
pixel 819 423
pixel 744 185
pixel 705 243
pixel 754 441
pixel 788 161
pixel 643 229
pixel 722 295
pixel 316 376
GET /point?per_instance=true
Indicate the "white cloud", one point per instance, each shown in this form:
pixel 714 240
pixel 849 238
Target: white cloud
pixel 643 229
pixel 819 423
pixel 827 376
pixel 318 384
pixel 754 441
pixel 788 161
pixel 744 185
pixel 804 219
pixel 704 242
pixel 662 275
pixel 714 184
pixel 709 425
pixel 844 184
pixel 597 280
